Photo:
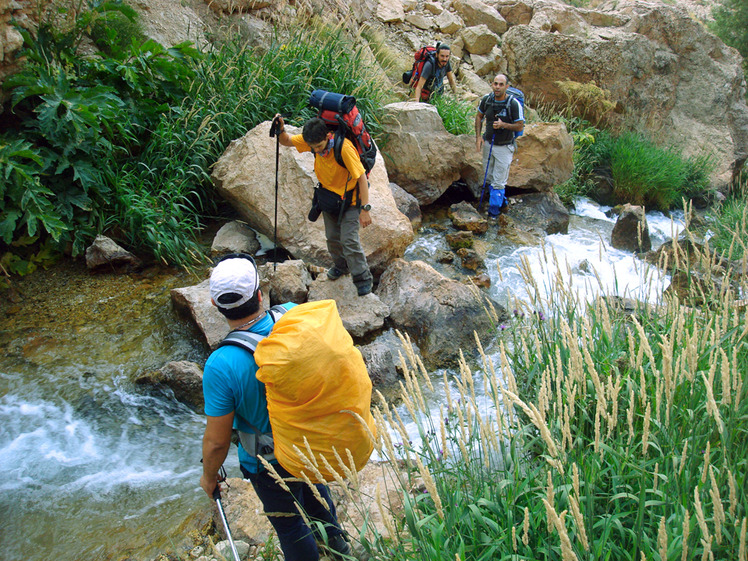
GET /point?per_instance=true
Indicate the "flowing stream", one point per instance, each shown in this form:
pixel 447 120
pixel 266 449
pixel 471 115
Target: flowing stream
pixel 94 467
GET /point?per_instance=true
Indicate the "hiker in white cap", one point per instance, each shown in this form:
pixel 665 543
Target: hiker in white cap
pixel 235 399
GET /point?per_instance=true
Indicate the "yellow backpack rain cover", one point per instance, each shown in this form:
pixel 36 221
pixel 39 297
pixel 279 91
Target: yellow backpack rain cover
pixel 313 374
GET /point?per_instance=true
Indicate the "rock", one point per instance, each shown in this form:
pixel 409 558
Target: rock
pixel 433 8
pixel 390 11
pixel 380 362
pixel 104 255
pixel 544 211
pixel 487 65
pixel 443 256
pixel 438 313
pixel 193 302
pixel 183 377
pixel 631 232
pixel 475 12
pixel 448 23
pixel 244 513
pixel 422 157
pixel 361 315
pixel 223 548
pixel 470 259
pixel 460 240
pixel 420 21
pixel 407 204
pixel 544 157
pixel 644 55
pixel 237 6
pixel 479 39
pixel 464 217
pixel 244 177
pixel 515 12
pixel 475 84
pixel 235 237
pixel 285 282
pixel 482 280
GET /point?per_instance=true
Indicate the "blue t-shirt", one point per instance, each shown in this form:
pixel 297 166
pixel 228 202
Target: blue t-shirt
pixel 230 385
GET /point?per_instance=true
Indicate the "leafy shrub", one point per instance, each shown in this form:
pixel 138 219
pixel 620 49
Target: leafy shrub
pixel 457 114
pixel 731 25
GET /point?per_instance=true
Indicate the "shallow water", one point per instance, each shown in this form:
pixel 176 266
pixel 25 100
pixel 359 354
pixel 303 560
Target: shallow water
pixel 94 467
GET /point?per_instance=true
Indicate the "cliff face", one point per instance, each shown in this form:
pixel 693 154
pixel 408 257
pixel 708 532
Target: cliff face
pixel 663 71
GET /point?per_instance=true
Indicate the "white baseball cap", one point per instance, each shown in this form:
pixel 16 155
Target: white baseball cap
pixel 236 275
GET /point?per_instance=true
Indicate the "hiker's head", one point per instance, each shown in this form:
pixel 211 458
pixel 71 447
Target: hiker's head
pixel 235 286
pixel 316 134
pixel 442 54
pixel 499 85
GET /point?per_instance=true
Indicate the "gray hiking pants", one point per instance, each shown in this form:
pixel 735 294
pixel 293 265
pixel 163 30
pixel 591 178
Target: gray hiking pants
pixel 344 244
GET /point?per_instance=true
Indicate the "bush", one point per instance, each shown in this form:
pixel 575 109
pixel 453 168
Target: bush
pixel 731 25
pixel 458 115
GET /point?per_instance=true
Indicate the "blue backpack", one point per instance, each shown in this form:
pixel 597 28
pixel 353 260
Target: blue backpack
pixel 519 96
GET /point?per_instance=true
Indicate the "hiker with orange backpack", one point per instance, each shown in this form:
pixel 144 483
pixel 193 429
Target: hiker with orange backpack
pixel 238 396
pixel 342 197
pixel 430 79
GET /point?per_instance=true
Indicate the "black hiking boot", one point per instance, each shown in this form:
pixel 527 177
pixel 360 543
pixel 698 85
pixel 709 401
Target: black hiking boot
pixel 333 273
pixel 339 548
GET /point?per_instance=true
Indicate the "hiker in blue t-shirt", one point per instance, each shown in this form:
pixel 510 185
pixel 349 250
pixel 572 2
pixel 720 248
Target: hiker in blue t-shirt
pixel 504 117
pixel 433 74
pixel 235 399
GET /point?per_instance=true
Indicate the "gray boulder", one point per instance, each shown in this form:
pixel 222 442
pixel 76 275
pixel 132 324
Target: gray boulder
pixel 631 232
pixel 104 255
pixel 235 237
pixel 438 313
pixel 541 211
pixel 361 315
pixel 285 282
pixel 183 377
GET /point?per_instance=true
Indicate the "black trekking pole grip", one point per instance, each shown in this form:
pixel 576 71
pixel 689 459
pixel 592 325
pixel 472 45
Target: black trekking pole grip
pixel 217 492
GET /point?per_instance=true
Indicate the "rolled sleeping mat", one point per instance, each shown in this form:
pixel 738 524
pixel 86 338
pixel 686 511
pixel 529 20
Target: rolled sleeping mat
pixel 329 101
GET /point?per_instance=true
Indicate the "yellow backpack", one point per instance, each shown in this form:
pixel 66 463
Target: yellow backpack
pixel 315 378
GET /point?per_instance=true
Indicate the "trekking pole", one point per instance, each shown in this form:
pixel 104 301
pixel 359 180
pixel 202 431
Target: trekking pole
pixel 485 175
pixel 274 132
pixel 217 498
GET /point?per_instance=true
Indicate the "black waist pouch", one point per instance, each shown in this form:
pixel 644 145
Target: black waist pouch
pixel 325 200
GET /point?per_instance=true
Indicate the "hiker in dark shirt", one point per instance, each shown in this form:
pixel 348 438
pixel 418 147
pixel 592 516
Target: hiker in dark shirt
pixel 432 76
pixel 504 117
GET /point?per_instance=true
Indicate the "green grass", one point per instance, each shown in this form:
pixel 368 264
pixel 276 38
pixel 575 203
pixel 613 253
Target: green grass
pixel 458 115
pixel 624 437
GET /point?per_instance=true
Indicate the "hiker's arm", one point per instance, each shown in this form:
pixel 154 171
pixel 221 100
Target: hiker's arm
pixel 452 83
pixel 478 128
pixel 284 138
pixel 516 127
pixel 419 86
pixel 216 442
pixel 363 192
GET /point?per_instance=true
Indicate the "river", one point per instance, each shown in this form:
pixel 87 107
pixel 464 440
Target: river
pixel 95 468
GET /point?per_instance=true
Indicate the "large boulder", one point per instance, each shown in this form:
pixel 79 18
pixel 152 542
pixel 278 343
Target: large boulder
pixel 663 71
pixel 361 315
pixel 245 176
pixel 440 314
pixel 183 377
pixel 540 212
pixel 631 232
pixel 475 12
pixel 543 157
pixel 422 157
pixel 285 282
pixel 193 303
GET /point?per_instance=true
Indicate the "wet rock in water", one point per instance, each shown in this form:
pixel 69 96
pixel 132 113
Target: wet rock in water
pixel 631 232
pixel 183 377
pixel 543 211
pixel 459 240
pixel 285 282
pixel 482 280
pixel 235 237
pixel 465 217
pixel 104 255
pixel 444 256
pixel 470 259
pixel 380 363
pixel 407 204
pixel 440 314
pixel 360 314
pixel 193 302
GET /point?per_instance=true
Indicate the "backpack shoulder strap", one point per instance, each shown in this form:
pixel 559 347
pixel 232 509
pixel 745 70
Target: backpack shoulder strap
pixel 248 340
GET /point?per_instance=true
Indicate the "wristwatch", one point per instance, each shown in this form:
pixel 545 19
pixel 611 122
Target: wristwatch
pixel 366 207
